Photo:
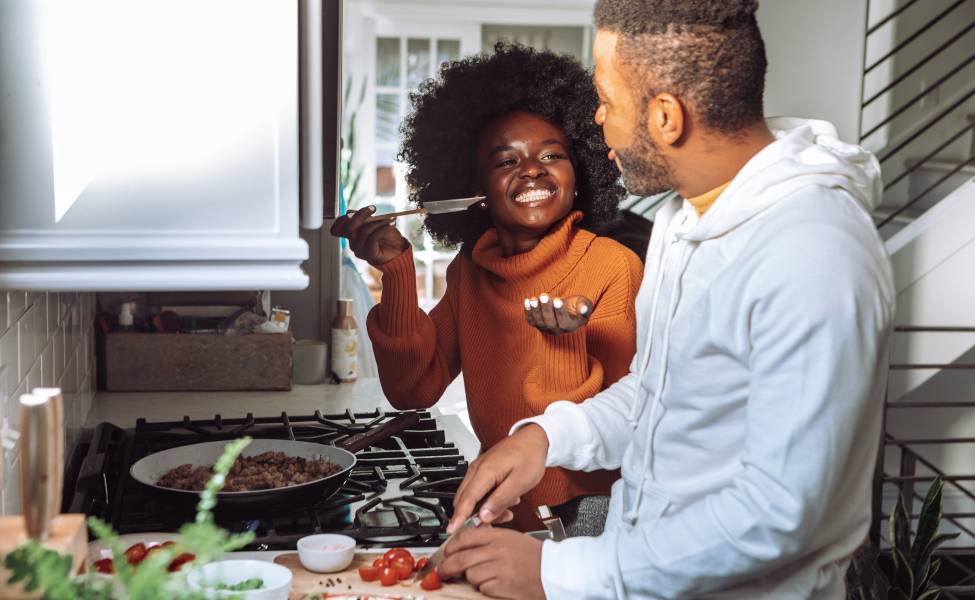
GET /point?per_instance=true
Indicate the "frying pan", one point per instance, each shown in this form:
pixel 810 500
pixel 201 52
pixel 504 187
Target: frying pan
pixel 147 470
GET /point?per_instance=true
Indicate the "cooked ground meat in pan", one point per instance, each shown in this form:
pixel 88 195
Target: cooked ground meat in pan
pixel 262 472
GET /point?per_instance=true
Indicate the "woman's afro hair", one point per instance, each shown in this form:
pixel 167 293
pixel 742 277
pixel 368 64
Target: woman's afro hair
pixel 449 112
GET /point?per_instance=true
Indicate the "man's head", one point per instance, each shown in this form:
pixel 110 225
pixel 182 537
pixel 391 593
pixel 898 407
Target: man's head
pixel 673 74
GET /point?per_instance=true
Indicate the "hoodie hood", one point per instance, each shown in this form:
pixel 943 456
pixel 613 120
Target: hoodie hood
pixel 805 153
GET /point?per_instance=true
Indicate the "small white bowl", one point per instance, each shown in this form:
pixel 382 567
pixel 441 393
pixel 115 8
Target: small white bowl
pixel 277 579
pixel 326 552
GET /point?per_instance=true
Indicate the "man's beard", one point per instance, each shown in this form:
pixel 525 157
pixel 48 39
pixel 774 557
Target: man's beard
pixel 646 172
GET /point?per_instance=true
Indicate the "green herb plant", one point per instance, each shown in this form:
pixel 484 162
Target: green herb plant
pixel 912 555
pixel 50 572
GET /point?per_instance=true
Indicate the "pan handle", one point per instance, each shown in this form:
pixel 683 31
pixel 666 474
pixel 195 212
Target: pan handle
pixel 390 428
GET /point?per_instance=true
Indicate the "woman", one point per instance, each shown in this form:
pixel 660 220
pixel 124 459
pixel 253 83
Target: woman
pixel 537 308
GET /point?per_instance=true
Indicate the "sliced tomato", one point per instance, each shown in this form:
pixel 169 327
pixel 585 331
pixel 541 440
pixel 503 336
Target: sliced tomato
pixel 380 563
pixel 421 562
pixel 368 573
pixel 135 553
pixel 388 576
pixel 431 581
pixel 104 566
pixel 167 544
pixel 177 563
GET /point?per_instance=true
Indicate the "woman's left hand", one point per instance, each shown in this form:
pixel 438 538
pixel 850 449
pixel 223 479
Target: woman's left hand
pixel 556 316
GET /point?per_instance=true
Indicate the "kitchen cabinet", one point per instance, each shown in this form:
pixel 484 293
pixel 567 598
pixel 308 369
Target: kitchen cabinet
pixel 155 144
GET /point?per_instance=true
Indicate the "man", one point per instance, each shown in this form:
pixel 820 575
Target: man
pixel 748 425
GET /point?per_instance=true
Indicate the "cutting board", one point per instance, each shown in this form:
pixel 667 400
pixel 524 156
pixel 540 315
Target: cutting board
pixel 306 583
pixel 69 535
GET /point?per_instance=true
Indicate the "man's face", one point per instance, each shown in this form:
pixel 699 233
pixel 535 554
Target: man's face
pixel 645 169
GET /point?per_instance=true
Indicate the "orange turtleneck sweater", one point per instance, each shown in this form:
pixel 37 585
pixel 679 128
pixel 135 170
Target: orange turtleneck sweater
pixel 511 370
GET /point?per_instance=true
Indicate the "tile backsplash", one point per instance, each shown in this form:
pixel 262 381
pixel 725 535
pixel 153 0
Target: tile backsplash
pixel 46 340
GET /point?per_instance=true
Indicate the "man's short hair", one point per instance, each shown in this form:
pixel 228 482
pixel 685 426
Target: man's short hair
pixel 708 53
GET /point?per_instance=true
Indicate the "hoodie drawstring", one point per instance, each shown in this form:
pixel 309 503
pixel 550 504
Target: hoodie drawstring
pixel 632 515
pixel 639 400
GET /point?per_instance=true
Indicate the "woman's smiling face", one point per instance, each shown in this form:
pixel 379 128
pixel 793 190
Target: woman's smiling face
pixel 524 169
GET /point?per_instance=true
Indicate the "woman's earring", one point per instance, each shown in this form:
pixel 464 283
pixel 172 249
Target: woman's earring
pixel 482 205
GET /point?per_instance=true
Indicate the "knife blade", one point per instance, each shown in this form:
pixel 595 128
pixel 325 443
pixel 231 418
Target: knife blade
pixel 439 207
pixel 432 207
pixel 437 557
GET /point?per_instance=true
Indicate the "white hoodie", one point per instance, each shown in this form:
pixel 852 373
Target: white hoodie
pixel 747 429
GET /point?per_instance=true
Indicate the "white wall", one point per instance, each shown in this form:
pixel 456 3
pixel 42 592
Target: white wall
pixel 46 340
pixel 815 53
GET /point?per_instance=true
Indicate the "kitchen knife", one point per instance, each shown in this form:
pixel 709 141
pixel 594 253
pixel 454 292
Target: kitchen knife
pixel 40 471
pixel 437 557
pixel 433 207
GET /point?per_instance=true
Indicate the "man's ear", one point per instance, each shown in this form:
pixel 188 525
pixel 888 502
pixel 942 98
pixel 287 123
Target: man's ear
pixel 665 119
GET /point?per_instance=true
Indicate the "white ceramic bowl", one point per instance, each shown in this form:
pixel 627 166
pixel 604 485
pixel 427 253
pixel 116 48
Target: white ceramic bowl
pixel 326 552
pixel 277 579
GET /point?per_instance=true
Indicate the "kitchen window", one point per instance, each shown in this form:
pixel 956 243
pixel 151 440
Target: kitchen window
pixel 393 54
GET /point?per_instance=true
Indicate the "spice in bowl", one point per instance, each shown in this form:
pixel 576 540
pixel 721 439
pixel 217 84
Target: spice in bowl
pixel 326 552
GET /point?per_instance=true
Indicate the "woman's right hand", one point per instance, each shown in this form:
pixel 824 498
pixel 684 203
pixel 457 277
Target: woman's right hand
pixel 376 242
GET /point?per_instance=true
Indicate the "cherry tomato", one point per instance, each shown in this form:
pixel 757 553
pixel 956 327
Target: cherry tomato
pixel 178 562
pixel 421 562
pixel 431 581
pixel 388 576
pixel 405 559
pixel 380 563
pixel 104 566
pixel 368 573
pixel 403 569
pixel 394 552
pixel 136 553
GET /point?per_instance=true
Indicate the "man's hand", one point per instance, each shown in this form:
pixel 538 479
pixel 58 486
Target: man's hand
pixel 556 316
pixel 511 468
pixel 376 242
pixel 500 563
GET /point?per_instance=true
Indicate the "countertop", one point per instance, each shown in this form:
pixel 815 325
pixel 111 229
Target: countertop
pixel 124 408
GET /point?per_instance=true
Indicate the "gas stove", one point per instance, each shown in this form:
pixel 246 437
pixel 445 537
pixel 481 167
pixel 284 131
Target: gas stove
pixel 400 491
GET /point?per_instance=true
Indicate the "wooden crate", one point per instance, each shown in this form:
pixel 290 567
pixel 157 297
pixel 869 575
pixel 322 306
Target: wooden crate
pixel 144 362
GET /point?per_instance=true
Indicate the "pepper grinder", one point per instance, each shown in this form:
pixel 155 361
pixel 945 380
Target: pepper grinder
pixel 41 468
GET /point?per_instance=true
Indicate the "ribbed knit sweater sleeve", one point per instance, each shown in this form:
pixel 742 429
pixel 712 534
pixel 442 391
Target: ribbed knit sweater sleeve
pixel 416 353
pixel 576 366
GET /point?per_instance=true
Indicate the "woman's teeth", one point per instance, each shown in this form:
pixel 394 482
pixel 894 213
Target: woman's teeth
pixel 533 196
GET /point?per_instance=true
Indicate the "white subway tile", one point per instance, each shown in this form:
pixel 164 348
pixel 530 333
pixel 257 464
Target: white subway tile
pixel 4 321
pixel 33 379
pixel 13 419
pixel 9 357
pixel 16 305
pixel 47 365
pixel 3 390
pixel 40 322
pixel 52 312
pixel 59 358
pixel 46 339
pixel 28 342
pixel 11 491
